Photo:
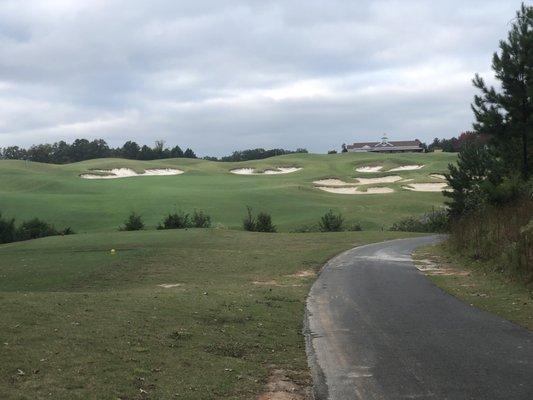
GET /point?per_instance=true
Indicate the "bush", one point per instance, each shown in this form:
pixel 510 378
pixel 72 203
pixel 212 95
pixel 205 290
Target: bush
pixel 248 222
pixel 178 220
pixel 264 223
pixel 434 221
pixel 7 230
pixel 201 220
pixel 355 227
pixel 133 223
pixel 34 229
pixel 331 222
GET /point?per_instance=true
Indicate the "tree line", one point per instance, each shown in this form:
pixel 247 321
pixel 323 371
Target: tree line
pixel 82 149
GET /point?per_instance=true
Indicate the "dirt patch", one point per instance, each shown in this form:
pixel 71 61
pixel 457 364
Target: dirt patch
pixel 281 387
pixel 428 267
pixel 267 283
pixel 170 285
pixel 304 273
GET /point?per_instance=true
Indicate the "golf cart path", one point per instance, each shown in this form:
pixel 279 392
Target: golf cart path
pixel 376 328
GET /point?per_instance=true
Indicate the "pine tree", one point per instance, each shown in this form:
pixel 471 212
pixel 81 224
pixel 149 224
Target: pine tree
pixel 507 113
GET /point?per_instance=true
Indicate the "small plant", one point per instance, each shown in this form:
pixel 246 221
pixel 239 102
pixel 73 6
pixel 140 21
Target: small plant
pixel 434 221
pixel 178 220
pixel 263 223
pixel 248 223
pixel 354 227
pixel 201 220
pixel 7 230
pixel 331 222
pixel 35 228
pixel 133 223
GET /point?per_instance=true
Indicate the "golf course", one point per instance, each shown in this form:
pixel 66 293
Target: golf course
pixel 58 193
pixel 181 314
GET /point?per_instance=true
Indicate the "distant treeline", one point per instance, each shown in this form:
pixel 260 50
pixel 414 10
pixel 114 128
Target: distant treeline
pixel 455 144
pixel 256 154
pixel 82 149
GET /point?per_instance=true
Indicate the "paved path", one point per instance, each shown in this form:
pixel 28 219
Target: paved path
pixel 378 329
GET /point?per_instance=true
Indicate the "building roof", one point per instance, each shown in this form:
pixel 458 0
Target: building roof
pixel 400 143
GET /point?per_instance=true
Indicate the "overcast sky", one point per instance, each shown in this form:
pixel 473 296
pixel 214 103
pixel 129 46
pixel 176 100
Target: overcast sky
pixel 224 75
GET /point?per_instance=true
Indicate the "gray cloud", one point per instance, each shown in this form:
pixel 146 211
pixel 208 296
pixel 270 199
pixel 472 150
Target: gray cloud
pixel 219 76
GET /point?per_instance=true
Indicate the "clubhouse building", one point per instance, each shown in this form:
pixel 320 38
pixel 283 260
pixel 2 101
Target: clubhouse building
pixel 386 146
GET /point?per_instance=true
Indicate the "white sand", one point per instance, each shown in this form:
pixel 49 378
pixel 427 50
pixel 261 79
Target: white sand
pixel 369 169
pixel 438 176
pixel 354 190
pixel 406 168
pixel 129 173
pixel 385 179
pixel 277 171
pixel 332 183
pixel 426 187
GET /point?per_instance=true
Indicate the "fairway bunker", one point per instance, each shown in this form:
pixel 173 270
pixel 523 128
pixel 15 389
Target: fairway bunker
pixel 385 179
pixel 355 190
pixel 332 182
pixel 369 169
pixel 437 176
pixel 426 187
pixel 116 173
pixel 269 171
pixel 407 168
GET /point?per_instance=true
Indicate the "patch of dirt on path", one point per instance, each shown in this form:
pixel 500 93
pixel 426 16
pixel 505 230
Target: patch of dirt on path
pixel 305 273
pixel 282 387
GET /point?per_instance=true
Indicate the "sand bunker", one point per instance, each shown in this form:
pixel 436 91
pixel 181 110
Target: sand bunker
pixel 426 187
pixel 354 190
pixel 406 168
pixel 438 176
pixel 332 182
pixel 253 171
pixel 129 173
pixel 385 179
pixel 369 169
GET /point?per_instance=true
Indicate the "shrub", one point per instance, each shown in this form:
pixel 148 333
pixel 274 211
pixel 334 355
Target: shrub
pixel 201 220
pixel 248 223
pixel 178 220
pixel 264 223
pixel 434 221
pixel 7 230
pixel 35 228
pixel 354 227
pixel 133 223
pixel 331 222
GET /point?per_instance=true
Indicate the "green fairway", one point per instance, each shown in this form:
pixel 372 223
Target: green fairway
pixel 57 194
pixel 79 322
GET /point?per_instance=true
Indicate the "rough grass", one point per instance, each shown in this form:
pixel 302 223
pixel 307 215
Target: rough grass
pixel 80 322
pixel 55 193
pixel 479 285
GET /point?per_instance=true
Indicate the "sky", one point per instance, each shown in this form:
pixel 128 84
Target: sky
pixel 219 76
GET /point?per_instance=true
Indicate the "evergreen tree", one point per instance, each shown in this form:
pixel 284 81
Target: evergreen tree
pixel 506 114
pixel 130 150
pixel 176 152
pixel 189 154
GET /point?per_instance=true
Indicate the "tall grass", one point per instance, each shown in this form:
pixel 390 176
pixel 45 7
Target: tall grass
pixel 501 236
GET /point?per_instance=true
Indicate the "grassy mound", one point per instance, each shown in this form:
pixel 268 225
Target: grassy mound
pixel 56 192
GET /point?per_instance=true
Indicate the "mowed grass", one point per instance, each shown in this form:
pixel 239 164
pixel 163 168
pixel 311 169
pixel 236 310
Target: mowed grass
pixel 79 322
pixel 57 194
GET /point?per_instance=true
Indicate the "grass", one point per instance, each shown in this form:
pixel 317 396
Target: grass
pixel 479 285
pixel 57 194
pixel 81 322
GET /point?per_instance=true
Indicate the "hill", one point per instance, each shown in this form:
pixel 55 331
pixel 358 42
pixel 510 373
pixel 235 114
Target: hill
pixel 57 194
